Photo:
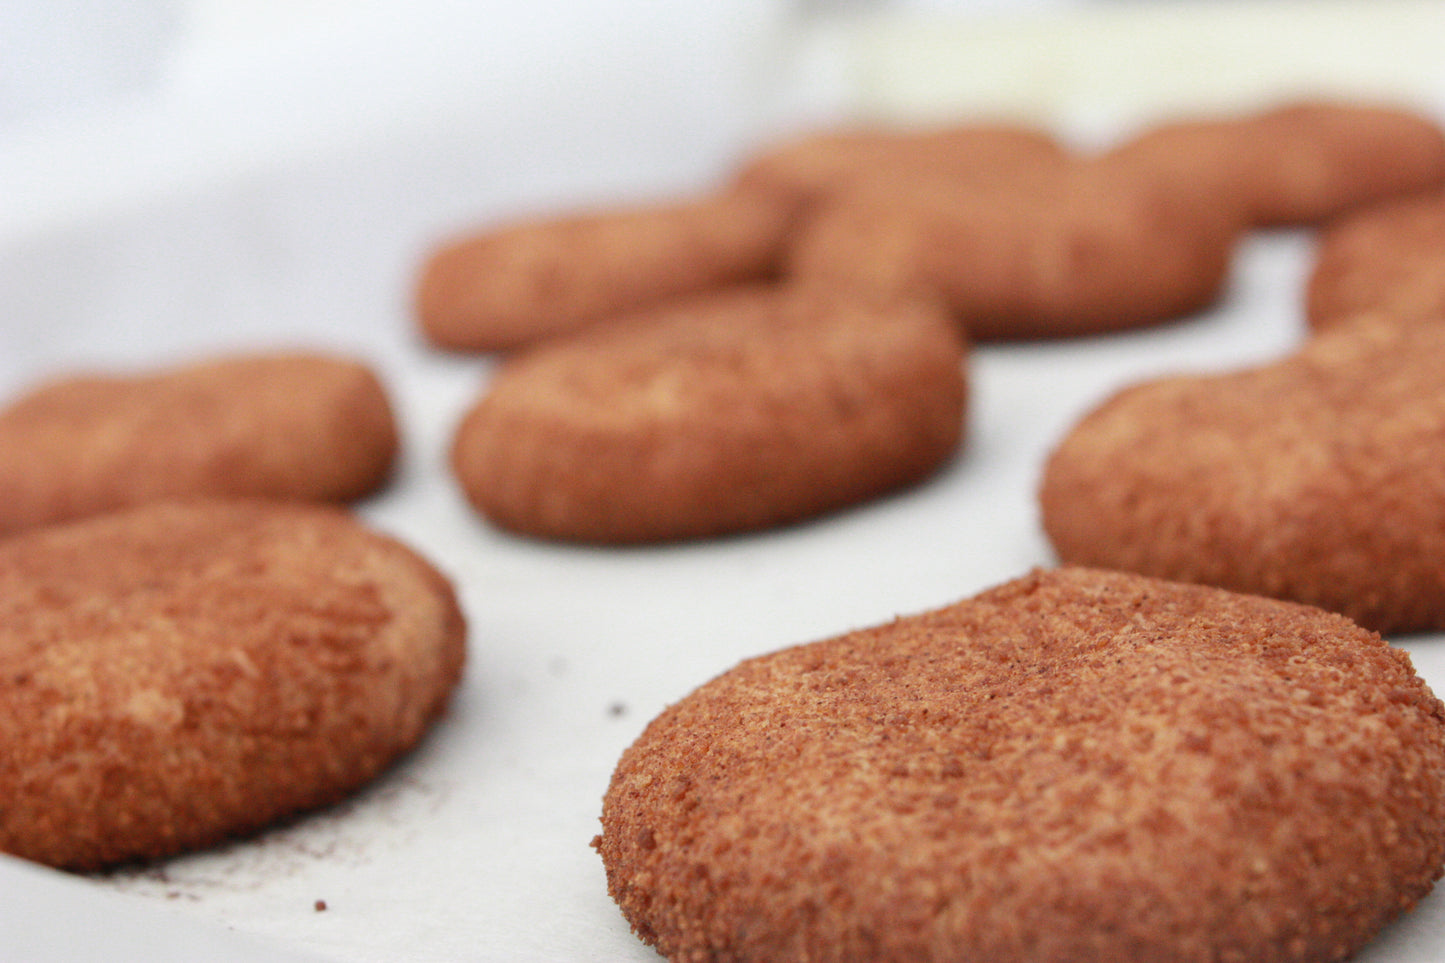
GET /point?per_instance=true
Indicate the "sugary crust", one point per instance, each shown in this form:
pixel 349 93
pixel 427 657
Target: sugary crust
pixel 816 166
pixel 1320 477
pixel 290 425
pixel 1296 164
pixel 1386 258
pixel 521 282
pixel 1074 766
pixel 1072 251
pixel 180 673
pixel 740 410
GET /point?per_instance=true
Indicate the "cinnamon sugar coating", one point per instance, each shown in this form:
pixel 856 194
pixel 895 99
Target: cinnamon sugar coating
pixel 1074 766
pixel 277 425
pixel 1319 477
pixel 180 673
pixel 744 409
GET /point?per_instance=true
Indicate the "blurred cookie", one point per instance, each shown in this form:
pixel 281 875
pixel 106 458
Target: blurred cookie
pixel 1077 765
pixel 287 425
pixel 739 410
pixel 519 282
pixel 1387 258
pixel 1319 477
pixel 810 168
pixel 1296 164
pixel 1076 251
pixel 179 673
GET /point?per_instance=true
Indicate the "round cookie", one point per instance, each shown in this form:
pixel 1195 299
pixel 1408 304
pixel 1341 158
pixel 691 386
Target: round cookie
pixel 1319 477
pixel 1077 765
pixel 1387 258
pixel 1075 251
pixel 286 424
pixel 808 169
pixel 521 282
pixel 740 410
pixel 1297 164
pixel 175 674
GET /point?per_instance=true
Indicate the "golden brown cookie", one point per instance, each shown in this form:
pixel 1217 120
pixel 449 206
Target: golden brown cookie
pixel 1386 258
pixel 1299 163
pixel 1077 251
pixel 822 164
pixel 291 425
pixel 179 673
pixel 1319 477
pixel 1077 765
pixel 522 281
pixel 755 407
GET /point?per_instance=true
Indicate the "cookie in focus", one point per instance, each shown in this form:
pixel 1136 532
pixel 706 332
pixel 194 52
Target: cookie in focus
pixel 181 673
pixel 1074 765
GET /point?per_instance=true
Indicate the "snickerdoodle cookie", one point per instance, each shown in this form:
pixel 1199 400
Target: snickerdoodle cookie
pixel 1298 163
pixel 1387 258
pixel 1319 477
pixel 745 409
pixel 1077 765
pixel 1073 251
pixel 814 167
pixel 283 424
pixel 179 673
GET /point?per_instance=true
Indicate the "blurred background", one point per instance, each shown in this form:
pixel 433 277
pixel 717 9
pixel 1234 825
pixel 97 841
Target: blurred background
pixel 102 101
pixel 191 172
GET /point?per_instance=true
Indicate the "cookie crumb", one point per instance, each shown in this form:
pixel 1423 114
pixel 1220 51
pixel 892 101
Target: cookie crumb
pixel 320 905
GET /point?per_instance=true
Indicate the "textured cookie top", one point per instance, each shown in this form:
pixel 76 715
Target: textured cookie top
pixel 176 673
pixel 746 408
pixel 1075 766
pixel 285 424
pixel 692 360
pixel 1320 477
